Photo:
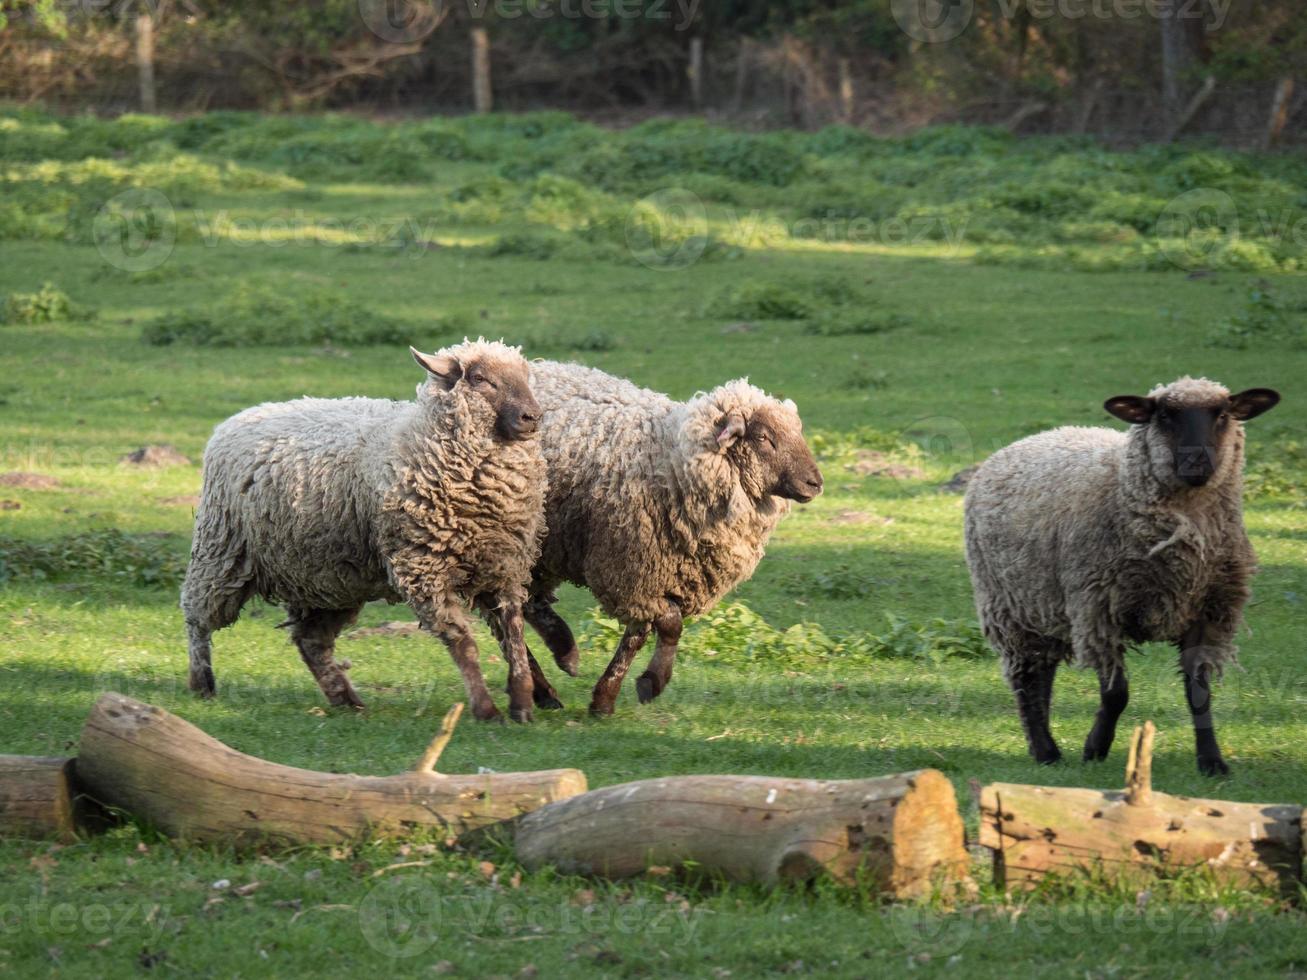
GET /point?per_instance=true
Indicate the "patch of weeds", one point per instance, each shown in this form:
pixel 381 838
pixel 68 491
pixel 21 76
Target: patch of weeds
pixel 592 341
pixel 264 317
pixel 734 634
pixel 525 245
pixel 761 301
pixel 136 559
pixel 47 305
pixel 845 323
pixel 864 379
pixel 1283 474
pixel 1266 319
pixel 836 582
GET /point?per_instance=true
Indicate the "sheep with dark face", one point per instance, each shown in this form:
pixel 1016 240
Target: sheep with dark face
pixel 659 507
pixel 1083 542
pixel 324 505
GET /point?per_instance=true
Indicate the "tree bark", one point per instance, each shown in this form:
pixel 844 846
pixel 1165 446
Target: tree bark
pixel 1177 61
pixel 1190 110
pixel 905 830
pixel 1035 831
pixel 145 60
pixel 167 772
pixel 36 797
pixel 482 94
pixel 1279 112
pixel 846 90
pixel 694 71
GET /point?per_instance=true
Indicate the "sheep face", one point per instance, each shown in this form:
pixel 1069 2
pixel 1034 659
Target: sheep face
pixel 768 450
pixel 1190 427
pixel 496 374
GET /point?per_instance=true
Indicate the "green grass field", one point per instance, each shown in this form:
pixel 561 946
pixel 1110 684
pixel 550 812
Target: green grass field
pixel 910 357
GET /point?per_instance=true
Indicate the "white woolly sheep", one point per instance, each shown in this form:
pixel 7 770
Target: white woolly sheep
pixel 659 507
pixel 326 504
pixel 1083 542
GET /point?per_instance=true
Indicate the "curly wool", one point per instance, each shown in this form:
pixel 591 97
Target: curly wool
pixel 331 503
pixel 660 511
pixel 1081 543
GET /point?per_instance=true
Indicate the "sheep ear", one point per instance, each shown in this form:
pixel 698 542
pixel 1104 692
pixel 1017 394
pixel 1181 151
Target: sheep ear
pixel 1131 408
pixel 1253 402
pixel 732 427
pixel 444 368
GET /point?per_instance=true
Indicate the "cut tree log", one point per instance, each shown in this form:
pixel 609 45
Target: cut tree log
pixel 165 771
pixel 37 797
pixel 1137 833
pixel 904 830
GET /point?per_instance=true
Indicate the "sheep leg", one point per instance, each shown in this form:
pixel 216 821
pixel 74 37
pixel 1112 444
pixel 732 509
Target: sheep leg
pixel 314 632
pixel 1114 695
pixel 610 684
pixel 450 624
pixel 1032 683
pixel 520 679
pixel 1198 693
pixel 542 692
pixel 658 674
pixel 209 603
pixel 555 632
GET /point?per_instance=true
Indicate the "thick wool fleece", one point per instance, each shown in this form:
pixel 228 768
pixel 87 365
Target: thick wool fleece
pixel 1082 542
pixel 643 504
pixel 327 504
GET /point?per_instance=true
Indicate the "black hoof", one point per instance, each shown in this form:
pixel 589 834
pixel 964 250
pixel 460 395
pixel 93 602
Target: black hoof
pixel 599 710
pixel 1048 757
pixel 522 716
pixel 1095 752
pixel 547 702
pixel 1213 766
pixel 647 688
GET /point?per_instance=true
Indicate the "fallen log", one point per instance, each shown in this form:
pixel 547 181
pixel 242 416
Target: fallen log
pixel 1137 833
pixel 163 770
pixel 37 797
pixel 904 830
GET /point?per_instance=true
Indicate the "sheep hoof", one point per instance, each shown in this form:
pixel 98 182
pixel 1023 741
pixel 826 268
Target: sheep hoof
pixel 1050 756
pixel 600 710
pixel 647 688
pixel 1213 766
pixel 569 663
pixel 487 713
pixel 521 715
pixel 547 702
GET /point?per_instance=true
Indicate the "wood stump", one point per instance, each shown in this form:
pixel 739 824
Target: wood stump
pixel 905 830
pixel 37 797
pixel 167 772
pixel 1137 833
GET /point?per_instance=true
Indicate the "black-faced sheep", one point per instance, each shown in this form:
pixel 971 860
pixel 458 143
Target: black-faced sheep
pixel 1084 541
pixel 659 507
pixel 324 505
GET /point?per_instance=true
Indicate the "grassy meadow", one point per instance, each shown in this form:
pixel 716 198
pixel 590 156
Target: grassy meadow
pixel 924 300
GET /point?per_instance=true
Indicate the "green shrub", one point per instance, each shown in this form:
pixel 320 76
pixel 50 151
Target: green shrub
pixel 1265 319
pixel 842 323
pixel 46 305
pixel 135 559
pixel 526 245
pixel 734 634
pixel 266 317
